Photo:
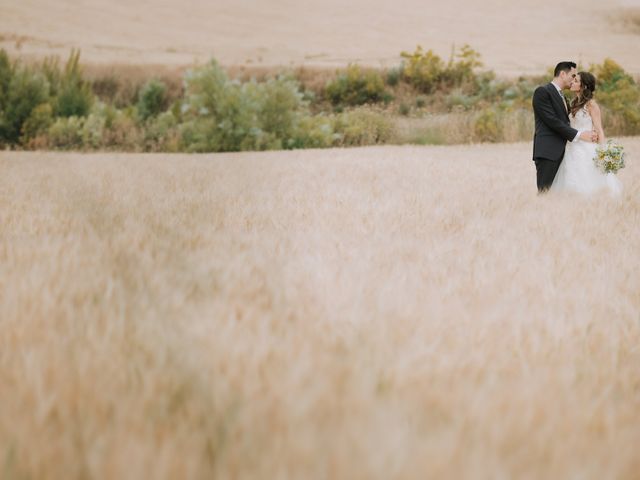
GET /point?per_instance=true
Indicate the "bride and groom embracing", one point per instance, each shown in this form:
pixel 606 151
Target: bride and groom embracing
pixel 567 135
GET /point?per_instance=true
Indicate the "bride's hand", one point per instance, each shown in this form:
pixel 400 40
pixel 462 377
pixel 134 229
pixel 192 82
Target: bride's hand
pixel 589 136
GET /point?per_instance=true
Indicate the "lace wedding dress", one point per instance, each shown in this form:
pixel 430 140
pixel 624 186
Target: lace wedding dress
pixel 577 172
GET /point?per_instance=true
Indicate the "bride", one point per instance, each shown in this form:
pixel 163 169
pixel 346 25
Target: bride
pixel 577 172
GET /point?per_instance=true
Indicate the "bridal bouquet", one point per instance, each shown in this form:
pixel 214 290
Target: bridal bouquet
pixel 609 157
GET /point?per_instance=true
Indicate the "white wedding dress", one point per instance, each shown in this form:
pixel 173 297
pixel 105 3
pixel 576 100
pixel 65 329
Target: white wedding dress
pixel 577 172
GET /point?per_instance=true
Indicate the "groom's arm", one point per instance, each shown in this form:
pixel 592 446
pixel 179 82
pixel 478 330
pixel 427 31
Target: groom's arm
pixel 544 110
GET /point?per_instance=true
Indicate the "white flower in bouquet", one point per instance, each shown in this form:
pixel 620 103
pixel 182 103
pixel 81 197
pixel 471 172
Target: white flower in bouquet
pixel 609 157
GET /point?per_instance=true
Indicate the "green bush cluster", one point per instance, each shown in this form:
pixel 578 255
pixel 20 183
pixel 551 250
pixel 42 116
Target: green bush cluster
pixel 619 94
pixel 51 106
pixel 105 128
pixel 426 71
pixel 226 115
pixel 356 86
pixel 32 97
pixel 364 126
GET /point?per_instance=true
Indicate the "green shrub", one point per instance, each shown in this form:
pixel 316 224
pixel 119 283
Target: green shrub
pixel 426 71
pixel 314 132
pixel 39 121
pixel 393 76
pixel 104 128
pixel 619 94
pixel 281 107
pixel 221 115
pixel 66 133
pixel 462 70
pixel 423 70
pixel 609 74
pixel 363 127
pixel 225 115
pixel 73 96
pixel 355 87
pixel 486 87
pixel 162 134
pixel 152 99
pixel 27 89
pixel 122 131
pixel 93 131
pixel 457 100
pixel 520 92
pixel 195 135
pixel 404 109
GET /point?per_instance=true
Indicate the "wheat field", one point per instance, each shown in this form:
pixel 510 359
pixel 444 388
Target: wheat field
pixel 371 313
pixel 514 38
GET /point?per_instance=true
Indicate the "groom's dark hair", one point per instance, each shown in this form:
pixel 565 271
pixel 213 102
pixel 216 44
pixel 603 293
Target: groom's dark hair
pixel 563 67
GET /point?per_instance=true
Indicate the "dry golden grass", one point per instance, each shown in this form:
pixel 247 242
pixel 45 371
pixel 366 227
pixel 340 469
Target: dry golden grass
pixel 514 38
pixel 391 312
pixel 457 128
pixel 628 18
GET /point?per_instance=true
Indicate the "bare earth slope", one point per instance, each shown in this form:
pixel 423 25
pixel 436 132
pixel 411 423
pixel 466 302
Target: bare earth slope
pixel 526 36
pixel 375 313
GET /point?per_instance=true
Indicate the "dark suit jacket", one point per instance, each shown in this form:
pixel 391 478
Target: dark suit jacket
pixel 552 124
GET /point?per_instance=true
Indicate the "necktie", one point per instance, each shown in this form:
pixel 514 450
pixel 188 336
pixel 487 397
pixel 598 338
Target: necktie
pixel 564 102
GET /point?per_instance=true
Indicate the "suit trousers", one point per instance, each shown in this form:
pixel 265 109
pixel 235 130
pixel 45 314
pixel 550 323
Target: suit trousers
pixel 546 171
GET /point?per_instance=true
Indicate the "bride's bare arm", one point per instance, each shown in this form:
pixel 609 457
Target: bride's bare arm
pixel 596 117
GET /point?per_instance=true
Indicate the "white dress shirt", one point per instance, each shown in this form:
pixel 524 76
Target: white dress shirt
pixel 565 104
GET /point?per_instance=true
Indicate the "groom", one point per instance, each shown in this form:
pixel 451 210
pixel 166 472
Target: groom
pixel 553 130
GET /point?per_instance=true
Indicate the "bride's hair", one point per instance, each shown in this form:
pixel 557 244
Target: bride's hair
pixel 587 87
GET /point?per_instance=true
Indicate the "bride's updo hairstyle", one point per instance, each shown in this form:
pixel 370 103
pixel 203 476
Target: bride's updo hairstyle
pixel 587 87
